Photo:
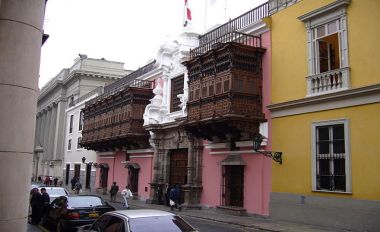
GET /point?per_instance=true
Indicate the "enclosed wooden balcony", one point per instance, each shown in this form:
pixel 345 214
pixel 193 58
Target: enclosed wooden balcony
pixel 225 89
pixel 115 120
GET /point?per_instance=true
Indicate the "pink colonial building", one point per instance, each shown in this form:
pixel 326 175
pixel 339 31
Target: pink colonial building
pixel 190 118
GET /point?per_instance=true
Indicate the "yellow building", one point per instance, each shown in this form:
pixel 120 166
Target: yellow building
pixel 326 112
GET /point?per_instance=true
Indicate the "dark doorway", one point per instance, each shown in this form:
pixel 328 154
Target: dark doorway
pixel 103 177
pixel 88 176
pixel 77 170
pixel 133 173
pixel 67 174
pixel 233 185
pixel 178 168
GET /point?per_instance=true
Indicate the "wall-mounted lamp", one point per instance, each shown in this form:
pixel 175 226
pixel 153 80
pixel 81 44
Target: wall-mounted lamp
pixel 275 155
pixel 84 161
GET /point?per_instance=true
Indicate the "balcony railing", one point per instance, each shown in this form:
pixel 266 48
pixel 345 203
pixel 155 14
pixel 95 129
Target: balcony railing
pixel 238 23
pixel 327 82
pixel 237 37
pixel 132 83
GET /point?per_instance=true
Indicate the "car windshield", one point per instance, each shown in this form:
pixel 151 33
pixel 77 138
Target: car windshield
pixel 56 191
pixel 84 201
pixel 159 224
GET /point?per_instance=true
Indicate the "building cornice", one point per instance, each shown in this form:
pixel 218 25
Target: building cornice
pixel 323 10
pixel 342 99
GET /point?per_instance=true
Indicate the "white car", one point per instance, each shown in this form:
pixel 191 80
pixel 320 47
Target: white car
pixel 54 192
pixel 139 220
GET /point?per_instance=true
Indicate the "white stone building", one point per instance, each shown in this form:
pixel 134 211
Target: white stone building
pixel 58 96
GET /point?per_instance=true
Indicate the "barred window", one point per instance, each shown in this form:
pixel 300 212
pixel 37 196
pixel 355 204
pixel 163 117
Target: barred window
pixel 331 157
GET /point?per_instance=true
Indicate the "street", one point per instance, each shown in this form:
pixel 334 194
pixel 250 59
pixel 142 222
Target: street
pixel 200 224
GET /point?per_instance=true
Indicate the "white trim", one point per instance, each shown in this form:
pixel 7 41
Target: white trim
pixel 348 169
pixel 216 145
pixel 140 156
pixel 137 151
pixel 348 98
pixel 256 28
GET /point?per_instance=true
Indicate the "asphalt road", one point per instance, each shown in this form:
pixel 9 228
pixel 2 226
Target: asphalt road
pixel 212 226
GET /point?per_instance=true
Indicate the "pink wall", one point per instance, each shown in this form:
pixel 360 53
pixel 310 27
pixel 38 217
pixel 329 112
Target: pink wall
pixel 117 171
pixel 258 168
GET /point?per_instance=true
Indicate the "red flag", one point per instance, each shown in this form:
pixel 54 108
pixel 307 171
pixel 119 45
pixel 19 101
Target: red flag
pixel 188 11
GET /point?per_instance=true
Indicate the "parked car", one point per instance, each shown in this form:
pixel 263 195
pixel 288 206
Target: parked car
pixel 139 220
pixel 54 192
pixel 68 212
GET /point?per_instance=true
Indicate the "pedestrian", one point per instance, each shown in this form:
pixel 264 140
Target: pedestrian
pixel 175 194
pixel 47 181
pixel 45 204
pixel 167 194
pixel 126 193
pixel 39 179
pixel 78 186
pixel 113 191
pixel 55 181
pixel 36 204
pixel 73 182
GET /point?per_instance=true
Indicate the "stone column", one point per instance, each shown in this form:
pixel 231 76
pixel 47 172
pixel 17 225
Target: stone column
pixel 193 187
pixel 157 157
pixel 20 45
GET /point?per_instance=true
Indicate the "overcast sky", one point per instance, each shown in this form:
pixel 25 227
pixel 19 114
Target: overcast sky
pixel 128 31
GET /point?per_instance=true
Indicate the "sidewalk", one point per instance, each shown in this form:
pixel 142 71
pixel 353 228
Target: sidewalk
pixel 212 214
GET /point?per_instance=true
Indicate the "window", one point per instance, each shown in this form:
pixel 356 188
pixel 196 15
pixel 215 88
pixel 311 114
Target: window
pixel 176 88
pixel 69 145
pixel 326 45
pixel 71 123
pixel 327 48
pixel 78 143
pixel 331 157
pixel 80 121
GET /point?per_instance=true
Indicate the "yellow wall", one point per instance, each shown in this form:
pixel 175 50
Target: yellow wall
pixel 289 47
pixel 292 136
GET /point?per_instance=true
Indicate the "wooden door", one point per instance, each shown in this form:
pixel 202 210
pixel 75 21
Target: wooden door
pixel 134 179
pixel 233 185
pixel 178 167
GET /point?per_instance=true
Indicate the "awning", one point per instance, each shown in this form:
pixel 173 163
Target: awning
pixel 104 165
pixel 233 160
pixel 132 165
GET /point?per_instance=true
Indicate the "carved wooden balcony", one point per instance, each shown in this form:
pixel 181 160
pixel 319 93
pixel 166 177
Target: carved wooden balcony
pixel 225 91
pixel 115 121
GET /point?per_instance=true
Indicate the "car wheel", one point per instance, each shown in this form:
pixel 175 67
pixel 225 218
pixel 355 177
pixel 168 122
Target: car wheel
pixel 59 227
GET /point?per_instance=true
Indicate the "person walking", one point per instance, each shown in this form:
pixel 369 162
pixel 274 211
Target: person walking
pixel 55 181
pixel 113 191
pixel 175 194
pixel 73 182
pixel 36 204
pixel 45 204
pixel 126 193
pixel 78 186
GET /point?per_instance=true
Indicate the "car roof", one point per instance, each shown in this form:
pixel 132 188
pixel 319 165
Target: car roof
pixel 81 196
pixel 140 213
pixel 50 187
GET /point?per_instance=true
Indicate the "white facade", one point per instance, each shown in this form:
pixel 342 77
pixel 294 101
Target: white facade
pixel 73 155
pixel 55 98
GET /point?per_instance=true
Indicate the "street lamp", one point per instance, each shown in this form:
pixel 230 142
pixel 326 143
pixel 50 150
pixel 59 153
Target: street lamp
pixel 84 161
pixel 275 155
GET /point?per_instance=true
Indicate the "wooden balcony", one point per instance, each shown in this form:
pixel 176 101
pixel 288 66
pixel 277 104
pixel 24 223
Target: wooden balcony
pixel 225 91
pixel 115 121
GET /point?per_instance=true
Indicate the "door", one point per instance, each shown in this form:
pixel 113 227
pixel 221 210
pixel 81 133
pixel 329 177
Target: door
pixel 67 174
pixel 134 179
pixel 233 183
pixel 103 177
pixel 77 170
pixel 88 176
pixel 178 168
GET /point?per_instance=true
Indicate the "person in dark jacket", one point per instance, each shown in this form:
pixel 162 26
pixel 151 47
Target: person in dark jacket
pixel 73 182
pixel 175 194
pixel 45 204
pixel 113 191
pixel 36 203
